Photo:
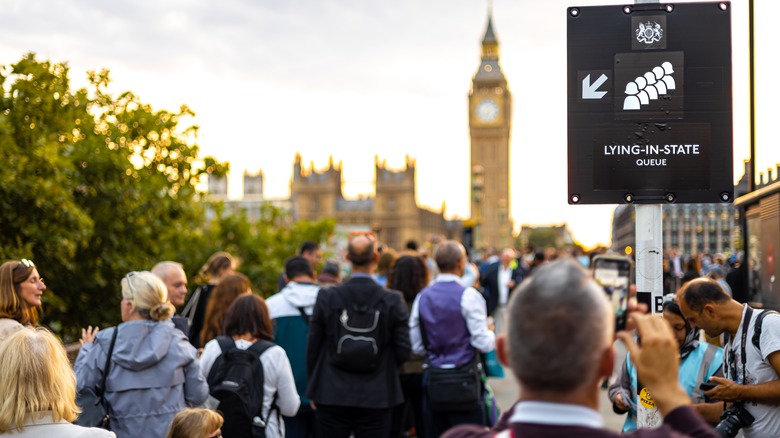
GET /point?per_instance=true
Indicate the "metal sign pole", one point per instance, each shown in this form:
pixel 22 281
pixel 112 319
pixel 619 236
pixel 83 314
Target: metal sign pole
pixel 649 284
pixel 649 279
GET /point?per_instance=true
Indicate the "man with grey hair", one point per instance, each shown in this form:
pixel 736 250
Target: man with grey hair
pixel 559 346
pixel 172 274
pixel 448 324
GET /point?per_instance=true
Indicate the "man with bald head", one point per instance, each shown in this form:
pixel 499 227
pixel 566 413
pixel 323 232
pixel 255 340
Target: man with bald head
pixel 559 347
pixel 172 274
pixel 358 337
pixel 448 324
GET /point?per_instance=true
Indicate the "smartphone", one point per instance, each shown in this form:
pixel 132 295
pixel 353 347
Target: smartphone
pixel 613 274
pixel 706 386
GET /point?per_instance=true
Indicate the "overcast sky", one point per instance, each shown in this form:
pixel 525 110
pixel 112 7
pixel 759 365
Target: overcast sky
pixel 354 79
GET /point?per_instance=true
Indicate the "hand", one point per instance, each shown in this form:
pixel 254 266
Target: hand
pixel 657 360
pixel 313 406
pixel 620 403
pixel 491 324
pixel 88 334
pixel 725 391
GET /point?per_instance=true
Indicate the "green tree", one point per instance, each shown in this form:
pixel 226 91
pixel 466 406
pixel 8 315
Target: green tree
pixel 263 246
pixel 94 186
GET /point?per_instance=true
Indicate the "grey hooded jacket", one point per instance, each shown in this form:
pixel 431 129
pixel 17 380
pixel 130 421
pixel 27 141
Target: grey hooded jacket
pixel 154 374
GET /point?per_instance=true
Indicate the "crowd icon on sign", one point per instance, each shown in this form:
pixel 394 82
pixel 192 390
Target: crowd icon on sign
pixel 651 85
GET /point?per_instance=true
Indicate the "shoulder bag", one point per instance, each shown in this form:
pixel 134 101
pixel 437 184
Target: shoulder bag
pixel 91 400
pixel 453 389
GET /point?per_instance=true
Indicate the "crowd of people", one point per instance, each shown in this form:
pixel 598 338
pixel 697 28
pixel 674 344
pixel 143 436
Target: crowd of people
pixel 398 348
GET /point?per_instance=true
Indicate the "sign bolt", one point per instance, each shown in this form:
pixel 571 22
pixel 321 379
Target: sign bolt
pixel 669 197
pixel 629 198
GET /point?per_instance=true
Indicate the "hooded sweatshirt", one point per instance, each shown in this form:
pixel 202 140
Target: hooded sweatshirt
pixel 154 373
pixel 290 328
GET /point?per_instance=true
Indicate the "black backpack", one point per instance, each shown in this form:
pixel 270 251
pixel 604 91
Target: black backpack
pixel 236 381
pixel 358 334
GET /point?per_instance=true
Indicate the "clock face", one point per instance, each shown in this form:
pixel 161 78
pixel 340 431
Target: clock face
pixel 487 110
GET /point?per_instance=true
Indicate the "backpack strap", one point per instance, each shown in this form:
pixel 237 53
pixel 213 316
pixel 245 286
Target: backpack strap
pixel 757 328
pixel 192 304
pixel 259 347
pixel 225 343
pixel 304 315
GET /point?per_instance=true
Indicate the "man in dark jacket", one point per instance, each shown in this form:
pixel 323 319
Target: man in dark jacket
pixel 358 336
pixel 559 346
pixel 499 280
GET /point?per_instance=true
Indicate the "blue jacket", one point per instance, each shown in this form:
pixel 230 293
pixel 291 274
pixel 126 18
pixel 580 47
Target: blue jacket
pixel 154 374
pixel 701 363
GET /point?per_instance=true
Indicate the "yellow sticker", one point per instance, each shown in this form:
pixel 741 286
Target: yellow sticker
pixel 646 399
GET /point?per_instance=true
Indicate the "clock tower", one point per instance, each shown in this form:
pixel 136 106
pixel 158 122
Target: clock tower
pixel 490 112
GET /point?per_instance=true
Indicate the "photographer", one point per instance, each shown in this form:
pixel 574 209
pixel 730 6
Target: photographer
pixel 750 361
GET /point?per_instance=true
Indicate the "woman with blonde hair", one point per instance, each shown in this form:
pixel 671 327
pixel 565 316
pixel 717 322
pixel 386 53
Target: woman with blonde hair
pixel 196 423
pixel 154 371
pixel 218 266
pixel 39 388
pixel 230 288
pixel 21 288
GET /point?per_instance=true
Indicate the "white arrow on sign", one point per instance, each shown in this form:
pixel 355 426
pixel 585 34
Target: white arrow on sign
pixel 590 91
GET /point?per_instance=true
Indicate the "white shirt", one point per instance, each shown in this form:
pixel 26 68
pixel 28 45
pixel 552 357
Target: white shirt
pixel 474 311
pixel 556 414
pixel 504 276
pixel 759 370
pixel 278 378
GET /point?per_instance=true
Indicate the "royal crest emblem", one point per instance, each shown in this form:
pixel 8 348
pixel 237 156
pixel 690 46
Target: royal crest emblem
pixel 649 32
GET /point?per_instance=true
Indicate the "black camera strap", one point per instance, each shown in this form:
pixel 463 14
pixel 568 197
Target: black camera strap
pixel 742 349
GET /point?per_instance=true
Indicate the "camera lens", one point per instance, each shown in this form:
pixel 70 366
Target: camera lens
pixel 732 420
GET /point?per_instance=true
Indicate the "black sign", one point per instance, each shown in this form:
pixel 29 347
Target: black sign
pixel 649 104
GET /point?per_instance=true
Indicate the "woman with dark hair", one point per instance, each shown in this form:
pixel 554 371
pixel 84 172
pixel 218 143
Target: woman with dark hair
pixel 409 276
pixel 218 266
pixel 246 322
pixel 21 288
pixel 230 288
pixel 698 362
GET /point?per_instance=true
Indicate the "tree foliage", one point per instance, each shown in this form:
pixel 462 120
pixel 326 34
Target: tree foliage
pixel 94 186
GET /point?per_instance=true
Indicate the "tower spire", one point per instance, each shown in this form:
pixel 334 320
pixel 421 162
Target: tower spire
pixel 490 42
pixel 490 36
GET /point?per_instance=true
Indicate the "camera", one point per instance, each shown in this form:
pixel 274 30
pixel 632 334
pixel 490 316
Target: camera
pixel 733 419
